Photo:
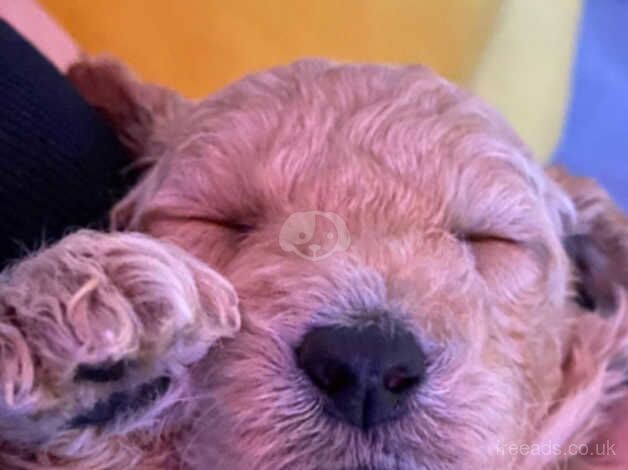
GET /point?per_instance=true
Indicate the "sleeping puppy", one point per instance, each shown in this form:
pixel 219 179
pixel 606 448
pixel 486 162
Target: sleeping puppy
pixel 335 267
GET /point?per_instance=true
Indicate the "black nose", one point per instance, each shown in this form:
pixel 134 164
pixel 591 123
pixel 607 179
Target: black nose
pixel 365 373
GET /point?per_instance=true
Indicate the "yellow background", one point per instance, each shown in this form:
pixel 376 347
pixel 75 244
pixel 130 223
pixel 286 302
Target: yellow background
pixel 514 53
pixel 200 45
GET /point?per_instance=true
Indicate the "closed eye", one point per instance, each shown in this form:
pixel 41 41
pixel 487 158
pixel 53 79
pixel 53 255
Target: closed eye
pixel 232 225
pixel 490 251
pixel 484 238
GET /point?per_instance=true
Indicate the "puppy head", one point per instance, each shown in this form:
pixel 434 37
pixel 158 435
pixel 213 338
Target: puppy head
pixel 438 328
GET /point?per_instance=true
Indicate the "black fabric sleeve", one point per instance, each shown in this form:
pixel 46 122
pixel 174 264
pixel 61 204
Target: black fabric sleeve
pixel 61 166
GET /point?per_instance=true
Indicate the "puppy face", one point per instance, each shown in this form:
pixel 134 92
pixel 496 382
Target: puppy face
pixel 433 329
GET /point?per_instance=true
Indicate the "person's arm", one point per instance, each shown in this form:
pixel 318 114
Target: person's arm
pixel 29 19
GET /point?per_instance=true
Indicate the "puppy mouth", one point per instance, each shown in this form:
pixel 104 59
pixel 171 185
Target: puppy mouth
pixel 122 404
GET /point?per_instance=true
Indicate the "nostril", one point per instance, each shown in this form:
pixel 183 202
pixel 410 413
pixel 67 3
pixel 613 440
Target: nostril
pixel 330 376
pixel 399 380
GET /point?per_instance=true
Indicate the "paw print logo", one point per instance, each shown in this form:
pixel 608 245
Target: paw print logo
pixel 314 235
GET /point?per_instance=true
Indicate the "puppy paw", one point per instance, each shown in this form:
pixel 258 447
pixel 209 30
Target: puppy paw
pixel 96 334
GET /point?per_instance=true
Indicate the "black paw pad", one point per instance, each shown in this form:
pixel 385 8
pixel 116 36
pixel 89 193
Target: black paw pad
pixel 101 373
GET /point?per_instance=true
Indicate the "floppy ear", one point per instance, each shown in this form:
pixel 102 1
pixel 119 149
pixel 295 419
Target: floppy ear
pixel 594 392
pixel 134 109
pixel 597 244
pixel 142 115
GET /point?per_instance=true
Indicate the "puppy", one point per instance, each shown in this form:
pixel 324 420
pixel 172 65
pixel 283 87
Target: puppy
pixel 337 267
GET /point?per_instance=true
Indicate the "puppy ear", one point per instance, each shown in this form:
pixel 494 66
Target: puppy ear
pixel 141 115
pixel 134 109
pixel 595 358
pixel 597 244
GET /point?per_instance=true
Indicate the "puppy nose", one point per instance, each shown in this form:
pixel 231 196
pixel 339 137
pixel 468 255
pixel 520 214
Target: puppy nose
pixel 366 374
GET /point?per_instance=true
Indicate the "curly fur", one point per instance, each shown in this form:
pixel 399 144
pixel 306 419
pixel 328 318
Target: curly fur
pixel 455 233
